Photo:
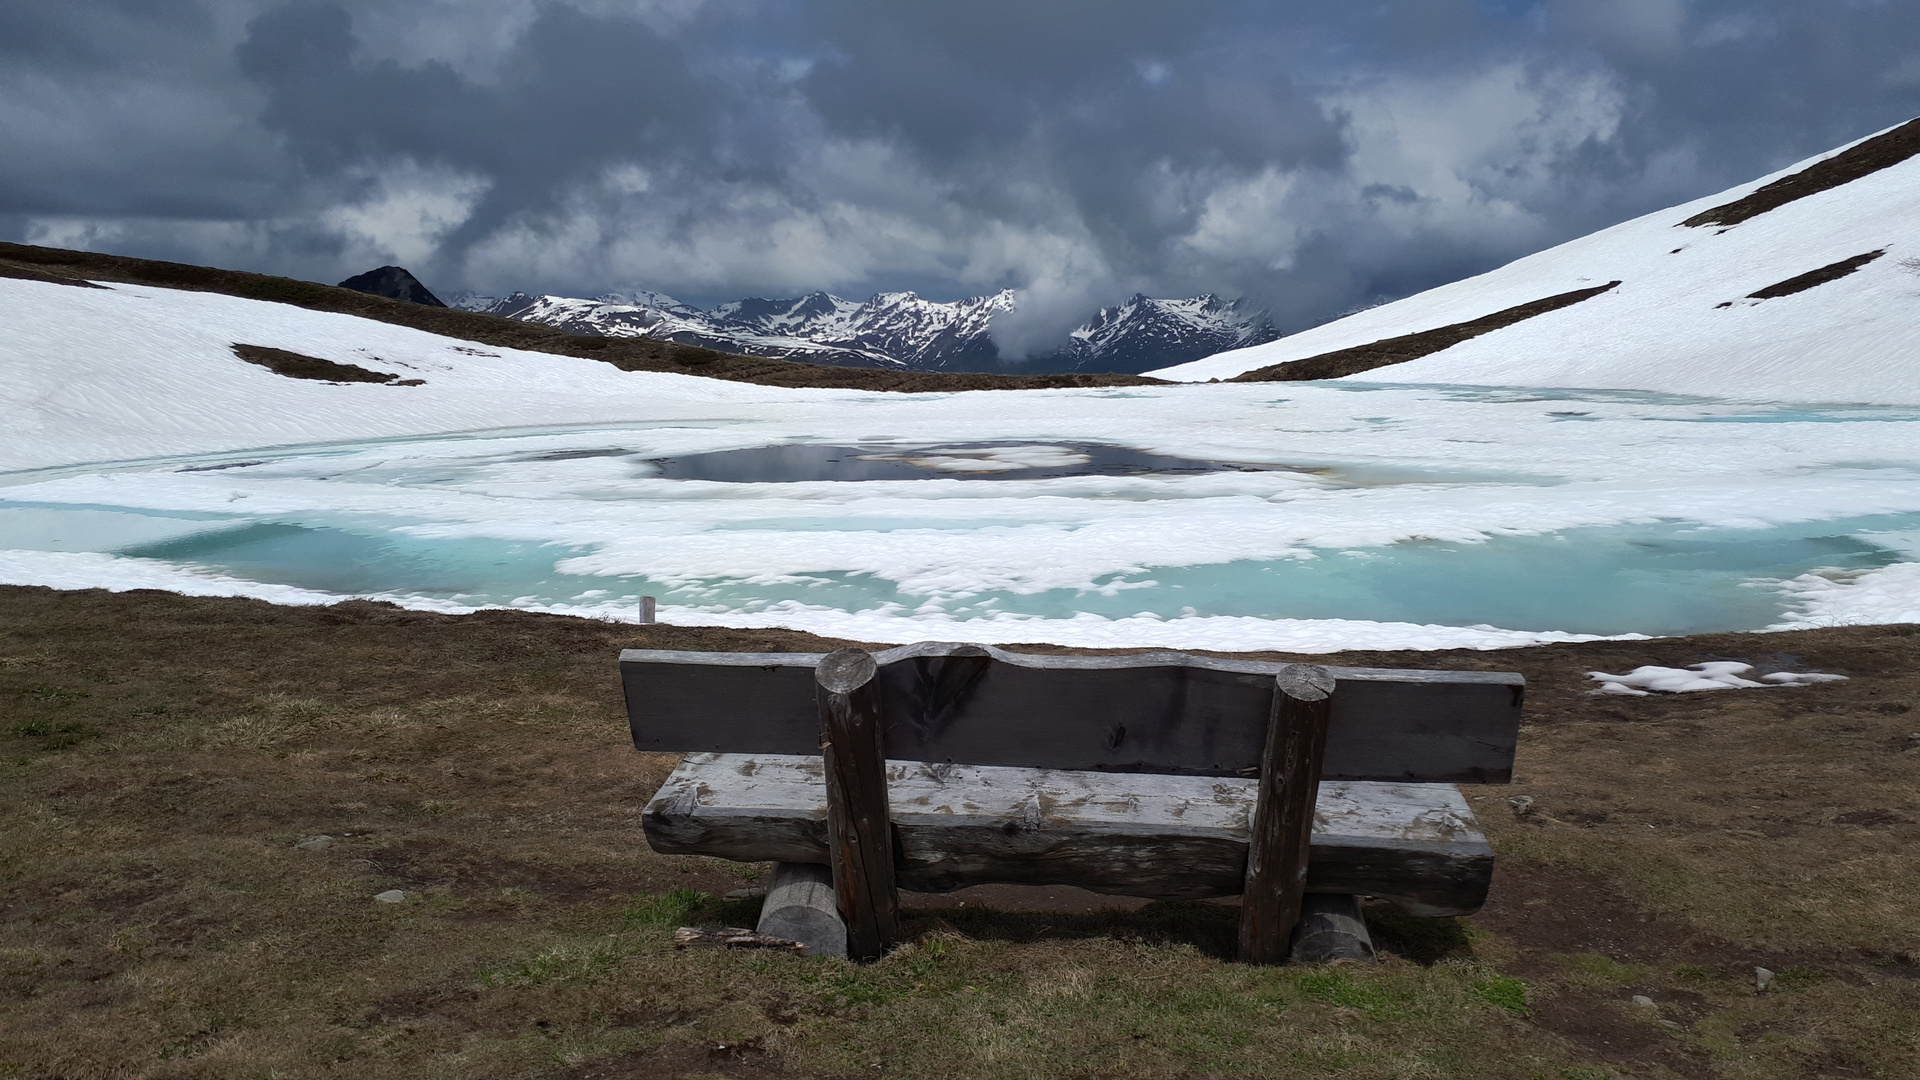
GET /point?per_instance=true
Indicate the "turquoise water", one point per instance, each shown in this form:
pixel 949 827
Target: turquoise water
pixel 1639 579
pixel 1654 579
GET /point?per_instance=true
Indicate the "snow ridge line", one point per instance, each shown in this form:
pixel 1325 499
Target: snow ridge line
pixel 1398 350
pixel 1861 159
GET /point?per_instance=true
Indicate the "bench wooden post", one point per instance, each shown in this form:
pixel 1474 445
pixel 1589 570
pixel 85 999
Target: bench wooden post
pixel 859 826
pixel 800 906
pixel 1331 927
pixel 1283 812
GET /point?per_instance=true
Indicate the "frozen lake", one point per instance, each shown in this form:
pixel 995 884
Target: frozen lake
pixel 1310 516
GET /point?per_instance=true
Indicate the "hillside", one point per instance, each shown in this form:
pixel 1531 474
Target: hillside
pixel 1799 286
pixel 22 262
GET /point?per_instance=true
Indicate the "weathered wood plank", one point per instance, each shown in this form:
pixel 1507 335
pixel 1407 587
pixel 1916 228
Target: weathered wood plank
pixel 1283 809
pixel 859 827
pixel 1166 837
pixel 1143 712
pixel 733 937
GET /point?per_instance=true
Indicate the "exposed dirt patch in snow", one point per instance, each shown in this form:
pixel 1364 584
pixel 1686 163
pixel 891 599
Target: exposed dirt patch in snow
pixel 1802 282
pixel 1398 350
pixel 1889 148
pixel 296 366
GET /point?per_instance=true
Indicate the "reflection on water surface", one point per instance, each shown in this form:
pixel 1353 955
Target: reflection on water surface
pixel 966 461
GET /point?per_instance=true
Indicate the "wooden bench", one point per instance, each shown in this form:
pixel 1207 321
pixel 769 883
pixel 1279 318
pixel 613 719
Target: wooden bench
pixel 1166 775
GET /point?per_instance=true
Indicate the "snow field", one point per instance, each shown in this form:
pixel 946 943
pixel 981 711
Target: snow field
pixel 1714 675
pixel 1663 329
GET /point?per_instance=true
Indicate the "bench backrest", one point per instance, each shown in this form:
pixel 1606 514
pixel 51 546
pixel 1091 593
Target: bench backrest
pixel 1160 712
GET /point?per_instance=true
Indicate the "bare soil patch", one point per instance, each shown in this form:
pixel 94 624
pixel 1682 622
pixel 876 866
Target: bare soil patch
pixel 162 756
pixel 627 354
pixel 1833 271
pixel 1879 152
pixel 1398 350
pixel 299 366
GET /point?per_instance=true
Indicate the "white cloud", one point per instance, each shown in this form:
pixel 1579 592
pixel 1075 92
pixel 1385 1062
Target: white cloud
pixel 843 213
pixel 406 212
pixel 1251 219
pixel 222 243
pixel 1478 145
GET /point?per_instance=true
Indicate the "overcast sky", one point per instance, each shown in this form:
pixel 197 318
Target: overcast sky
pixel 1316 155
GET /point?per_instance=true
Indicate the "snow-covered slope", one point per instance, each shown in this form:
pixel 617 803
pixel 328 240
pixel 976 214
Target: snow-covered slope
pixel 898 329
pixel 1683 318
pixel 135 371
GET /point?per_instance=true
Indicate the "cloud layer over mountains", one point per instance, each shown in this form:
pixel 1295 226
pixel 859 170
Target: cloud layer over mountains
pixel 1316 156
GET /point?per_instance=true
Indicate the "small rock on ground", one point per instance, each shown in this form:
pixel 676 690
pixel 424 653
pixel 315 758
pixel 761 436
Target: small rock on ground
pixel 391 896
pixel 314 843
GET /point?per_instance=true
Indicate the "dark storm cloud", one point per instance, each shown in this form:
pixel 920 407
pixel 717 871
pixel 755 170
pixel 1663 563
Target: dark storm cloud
pixel 108 109
pixel 1315 155
pixel 576 91
pixel 1104 76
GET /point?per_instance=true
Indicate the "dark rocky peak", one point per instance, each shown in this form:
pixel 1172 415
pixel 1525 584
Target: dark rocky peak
pixel 394 283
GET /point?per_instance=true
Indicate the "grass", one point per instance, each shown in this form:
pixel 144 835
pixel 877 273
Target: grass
pixel 162 756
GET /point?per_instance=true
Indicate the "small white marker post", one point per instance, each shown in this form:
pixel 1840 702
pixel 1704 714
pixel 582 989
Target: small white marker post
pixel 646 609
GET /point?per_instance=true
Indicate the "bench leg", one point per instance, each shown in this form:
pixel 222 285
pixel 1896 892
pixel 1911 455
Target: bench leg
pixel 801 906
pixel 1283 812
pixel 859 824
pixel 1331 928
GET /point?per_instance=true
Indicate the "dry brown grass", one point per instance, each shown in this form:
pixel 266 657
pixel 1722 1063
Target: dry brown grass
pixel 1799 283
pixel 162 756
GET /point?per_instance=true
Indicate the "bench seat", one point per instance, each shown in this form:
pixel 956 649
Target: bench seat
pixel 1130 834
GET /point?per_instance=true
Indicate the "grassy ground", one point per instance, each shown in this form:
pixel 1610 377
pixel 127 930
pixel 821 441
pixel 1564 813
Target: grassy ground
pixel 162 756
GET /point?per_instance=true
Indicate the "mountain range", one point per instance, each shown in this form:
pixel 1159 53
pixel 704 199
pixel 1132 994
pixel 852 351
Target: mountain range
pixel 901 330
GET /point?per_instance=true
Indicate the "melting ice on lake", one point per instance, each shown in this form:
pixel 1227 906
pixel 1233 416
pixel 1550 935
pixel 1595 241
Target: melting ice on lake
pixel 1393 518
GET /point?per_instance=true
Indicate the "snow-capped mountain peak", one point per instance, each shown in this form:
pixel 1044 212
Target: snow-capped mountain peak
pixel 898 329
pixel 1145 329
